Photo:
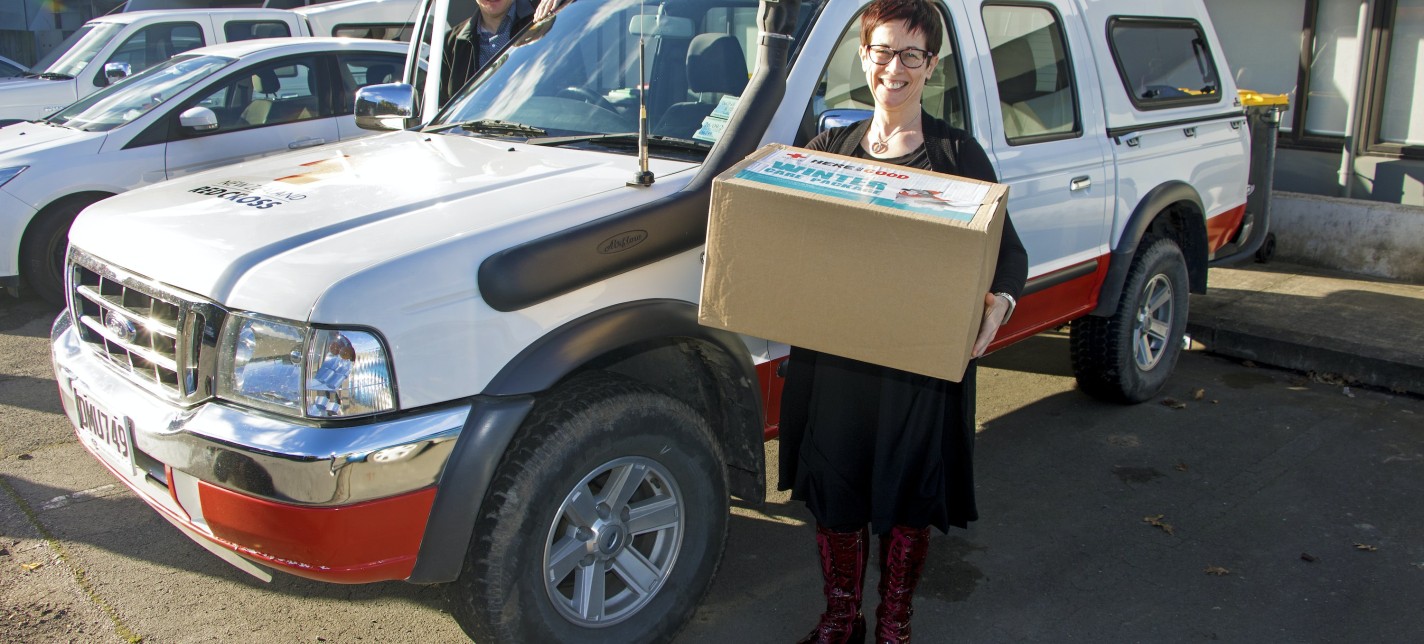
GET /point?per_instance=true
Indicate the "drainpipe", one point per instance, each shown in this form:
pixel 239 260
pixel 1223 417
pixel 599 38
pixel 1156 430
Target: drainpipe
pixel 1353 121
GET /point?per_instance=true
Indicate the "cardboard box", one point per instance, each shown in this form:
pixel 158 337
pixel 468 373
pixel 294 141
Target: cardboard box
pixel 878 263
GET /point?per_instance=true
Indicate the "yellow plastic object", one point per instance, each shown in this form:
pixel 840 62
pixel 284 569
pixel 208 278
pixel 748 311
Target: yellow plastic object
pixel 1257 99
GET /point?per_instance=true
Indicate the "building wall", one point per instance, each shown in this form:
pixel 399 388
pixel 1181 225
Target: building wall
pixel 1363 62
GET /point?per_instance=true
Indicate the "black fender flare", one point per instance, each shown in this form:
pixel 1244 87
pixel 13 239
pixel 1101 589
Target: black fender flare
pixel 1156 201
pixel 562 351
pixel 498 413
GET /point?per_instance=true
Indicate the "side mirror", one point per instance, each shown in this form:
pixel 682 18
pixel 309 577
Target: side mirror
pixel 199 119
pixel 114 72
pixel 841 116
pixel 384 107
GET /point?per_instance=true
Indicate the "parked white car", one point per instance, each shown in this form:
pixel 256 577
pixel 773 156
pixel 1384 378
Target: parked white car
pixel 111 47
pixel 209 107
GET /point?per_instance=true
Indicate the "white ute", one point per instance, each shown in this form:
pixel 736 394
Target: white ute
pixel 467 352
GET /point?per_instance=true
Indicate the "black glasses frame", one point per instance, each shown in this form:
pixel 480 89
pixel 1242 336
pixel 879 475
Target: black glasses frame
pixel 889 54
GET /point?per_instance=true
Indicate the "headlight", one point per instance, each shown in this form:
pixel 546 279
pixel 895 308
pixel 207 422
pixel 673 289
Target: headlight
pixel 295 370
pixel 6 174
pixel 347 374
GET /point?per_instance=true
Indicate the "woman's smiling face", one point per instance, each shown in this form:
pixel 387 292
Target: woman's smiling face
pixel 894 85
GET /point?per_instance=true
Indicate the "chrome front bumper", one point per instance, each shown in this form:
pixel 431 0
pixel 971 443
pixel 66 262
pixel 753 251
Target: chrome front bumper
pixel 251 453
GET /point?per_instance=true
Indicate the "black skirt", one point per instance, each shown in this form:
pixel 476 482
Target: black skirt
pixel 862 443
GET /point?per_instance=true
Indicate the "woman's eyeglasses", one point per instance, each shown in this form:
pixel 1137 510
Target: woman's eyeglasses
pixel 910 57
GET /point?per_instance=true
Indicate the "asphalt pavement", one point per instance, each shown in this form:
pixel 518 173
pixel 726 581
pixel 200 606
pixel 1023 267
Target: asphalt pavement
pixel 1244 504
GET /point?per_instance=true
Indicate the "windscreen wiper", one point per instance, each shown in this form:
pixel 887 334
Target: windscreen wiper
pixel 626 139
pixel 496 126
pixel 49 76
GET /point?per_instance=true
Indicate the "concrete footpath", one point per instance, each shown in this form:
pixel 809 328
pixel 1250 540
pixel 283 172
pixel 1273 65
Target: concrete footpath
pixel 1341 327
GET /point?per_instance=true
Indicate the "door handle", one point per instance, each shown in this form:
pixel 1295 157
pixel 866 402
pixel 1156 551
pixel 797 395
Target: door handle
pixel 305 143
pixel 1079 183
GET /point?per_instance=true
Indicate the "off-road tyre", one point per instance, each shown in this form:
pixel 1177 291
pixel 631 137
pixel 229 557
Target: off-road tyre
pixel 597 423
pixel 1128 357
pixel 43 247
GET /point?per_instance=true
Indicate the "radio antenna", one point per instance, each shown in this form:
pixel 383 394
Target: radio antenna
pixel 643 177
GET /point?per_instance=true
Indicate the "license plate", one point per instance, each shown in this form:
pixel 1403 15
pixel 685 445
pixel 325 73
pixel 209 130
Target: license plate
pixel 108 435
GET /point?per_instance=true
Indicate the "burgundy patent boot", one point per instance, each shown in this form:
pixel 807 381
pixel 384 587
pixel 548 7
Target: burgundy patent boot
pixel 843 558
pixel 902 558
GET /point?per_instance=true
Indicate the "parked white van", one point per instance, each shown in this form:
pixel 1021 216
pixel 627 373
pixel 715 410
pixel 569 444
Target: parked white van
pixel 111 47
pixel 468 352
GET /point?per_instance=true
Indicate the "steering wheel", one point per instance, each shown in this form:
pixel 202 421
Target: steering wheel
pixel 588 96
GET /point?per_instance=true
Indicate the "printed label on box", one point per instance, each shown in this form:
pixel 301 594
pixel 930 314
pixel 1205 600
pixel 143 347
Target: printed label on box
pixel 882 185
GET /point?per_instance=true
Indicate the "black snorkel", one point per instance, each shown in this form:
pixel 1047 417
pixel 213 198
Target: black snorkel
pixel 545 268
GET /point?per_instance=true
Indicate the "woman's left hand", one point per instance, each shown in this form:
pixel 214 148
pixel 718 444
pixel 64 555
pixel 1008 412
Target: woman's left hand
pixel 995 308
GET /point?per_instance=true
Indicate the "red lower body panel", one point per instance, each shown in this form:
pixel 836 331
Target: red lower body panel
pixel 1055 305
pixel 1221 228
pixel 353 544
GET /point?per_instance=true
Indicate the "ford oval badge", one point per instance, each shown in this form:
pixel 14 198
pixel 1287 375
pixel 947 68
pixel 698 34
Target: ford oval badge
pixel 122 327
pixel 622 241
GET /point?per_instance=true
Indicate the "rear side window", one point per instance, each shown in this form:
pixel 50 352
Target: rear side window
pixel 254 29
pixel 1031 68
pixel 376 31
pixel 1164 63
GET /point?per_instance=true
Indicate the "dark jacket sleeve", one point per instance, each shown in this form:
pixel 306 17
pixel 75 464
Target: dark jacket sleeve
pixel 1011 271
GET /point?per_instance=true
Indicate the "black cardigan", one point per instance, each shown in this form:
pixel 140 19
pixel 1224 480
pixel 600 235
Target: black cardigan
pixel 951 151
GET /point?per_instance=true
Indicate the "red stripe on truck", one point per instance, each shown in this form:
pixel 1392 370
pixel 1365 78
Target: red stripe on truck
pixel 350 544
pixel 1221 228
pixel 1053 306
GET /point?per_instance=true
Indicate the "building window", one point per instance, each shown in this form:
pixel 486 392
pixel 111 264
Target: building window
pixel 1333 67
pixel 1261 41
pixel 1398 125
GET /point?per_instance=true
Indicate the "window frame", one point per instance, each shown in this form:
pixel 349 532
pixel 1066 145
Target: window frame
pixel 809 118
pixel 1169 103
pixel 250 25
pixel 1377 75
pixel 1078 131
pixel 100 80
pixel 322 64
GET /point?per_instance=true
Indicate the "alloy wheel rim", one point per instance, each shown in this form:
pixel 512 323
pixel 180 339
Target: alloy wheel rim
pixel 1152 328
pixel 614 542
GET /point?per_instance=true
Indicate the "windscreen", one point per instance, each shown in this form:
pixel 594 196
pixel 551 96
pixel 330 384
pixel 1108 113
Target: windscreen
pixel 581 72
pixel 70 57
pixel 123 102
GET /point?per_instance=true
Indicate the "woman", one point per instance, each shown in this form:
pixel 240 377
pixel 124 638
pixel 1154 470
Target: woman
pixel 863 444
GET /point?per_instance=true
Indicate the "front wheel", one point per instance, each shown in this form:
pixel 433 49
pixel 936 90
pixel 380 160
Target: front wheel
pixel 44 246
pixel 605 521
pixel 1128 357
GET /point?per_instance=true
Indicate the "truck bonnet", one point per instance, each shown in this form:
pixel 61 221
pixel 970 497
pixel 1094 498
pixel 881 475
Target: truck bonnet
pixel 272 235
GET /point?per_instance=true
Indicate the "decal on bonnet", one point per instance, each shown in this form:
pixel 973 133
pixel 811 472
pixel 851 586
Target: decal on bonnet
pixel 254 195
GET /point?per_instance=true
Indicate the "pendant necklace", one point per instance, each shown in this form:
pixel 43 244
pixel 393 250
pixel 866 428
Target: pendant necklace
pixel 882 143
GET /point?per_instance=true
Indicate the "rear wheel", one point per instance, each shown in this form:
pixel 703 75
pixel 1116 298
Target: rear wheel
pixel 1129 356
pixel 605 521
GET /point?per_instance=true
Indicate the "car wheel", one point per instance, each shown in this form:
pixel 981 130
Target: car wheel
pixel 44 246
pixel 1128 357
pixel 605 521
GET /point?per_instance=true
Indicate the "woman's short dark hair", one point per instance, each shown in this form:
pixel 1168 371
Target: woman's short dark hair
pixel 919 16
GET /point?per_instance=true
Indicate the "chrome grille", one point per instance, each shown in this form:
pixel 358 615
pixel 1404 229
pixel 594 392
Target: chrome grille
pixel 158 337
